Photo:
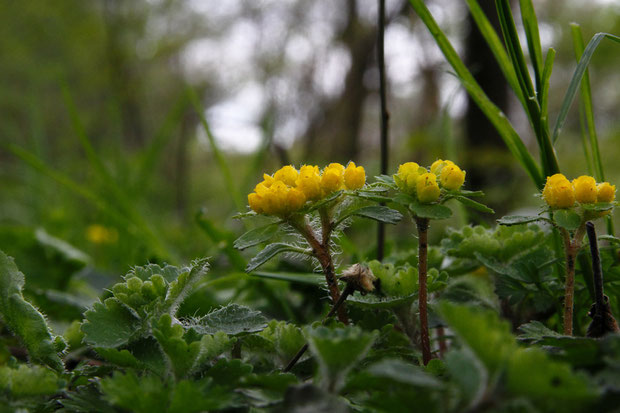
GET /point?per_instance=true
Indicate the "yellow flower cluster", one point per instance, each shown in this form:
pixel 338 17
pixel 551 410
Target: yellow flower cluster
pixel 98 234
pixel 559 192
pixel 414 179
pixel 288 189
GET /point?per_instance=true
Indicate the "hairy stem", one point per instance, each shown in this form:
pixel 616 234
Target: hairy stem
pixel 422 224
pixel 384 114
pixel 571 247
pixel 322 253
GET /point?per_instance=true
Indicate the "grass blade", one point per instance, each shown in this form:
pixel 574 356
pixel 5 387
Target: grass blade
pixel 496 46
pixel 544 92
pixel 586 98
pixel 530 24
pixel 219 158
pixel 492 112
pixel 576 79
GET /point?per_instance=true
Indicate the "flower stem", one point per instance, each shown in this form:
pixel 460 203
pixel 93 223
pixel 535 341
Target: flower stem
pixel 320 250
pixel 422 225
pixel 571 247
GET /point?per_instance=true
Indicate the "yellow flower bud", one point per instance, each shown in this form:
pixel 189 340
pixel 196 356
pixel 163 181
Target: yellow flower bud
pixel 452 177
pixel 287 174
pixel 262 188
pixel 605 192
pixel 438 165
pixel 332 178
pixel 407 176
pixel 295 199
pixel 354 176
pixel 309 182
pixel 427 188
pixel 585 189
pixel 558 192
pixel 256 202
pixel 267 180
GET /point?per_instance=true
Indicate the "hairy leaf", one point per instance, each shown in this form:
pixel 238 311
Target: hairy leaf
pixel 256 236
pixel 232 319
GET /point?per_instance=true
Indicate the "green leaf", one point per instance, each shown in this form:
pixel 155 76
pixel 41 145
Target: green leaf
pixel 256 236
pixel 599 207
pixel 109 324
pixel 144 394
pixel 519 219
pixel 474 205
pixel 64 249
pixel 567 219
pixel 338 350
pixel 405 373
pixel 300 278
pixel 232 319
pixel 183 285
pixel 377 212
pixel 23 319
pixel 610 238
pixel 535 330
pixel 145 272
pixel 271 251
pixel 530 24
pixel 28 381
pixel 469 374
pixel 430 211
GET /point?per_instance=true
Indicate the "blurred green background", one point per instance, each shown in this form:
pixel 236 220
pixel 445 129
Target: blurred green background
pixel 105 162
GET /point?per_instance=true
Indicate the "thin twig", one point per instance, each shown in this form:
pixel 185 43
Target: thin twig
pixel 348 290
pixel 572 248
pixel 384 115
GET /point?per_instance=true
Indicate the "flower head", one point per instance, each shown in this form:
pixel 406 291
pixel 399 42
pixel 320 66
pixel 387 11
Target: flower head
pixel 287 174
pixel 427 188
pixel 407 176
pixel 354 176
pixel 605 192
pixel 585 189
pixel 558 192
pixel 451 177
pixel 332 178
pixel 438 165
pixel 309 182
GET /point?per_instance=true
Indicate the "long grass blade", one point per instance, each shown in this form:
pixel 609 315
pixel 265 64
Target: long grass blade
pixel 544 92
pixel 530 24
pixel 586 98
pixel 576 79
pixel 219 158
pixel 496 46
pixel 493 113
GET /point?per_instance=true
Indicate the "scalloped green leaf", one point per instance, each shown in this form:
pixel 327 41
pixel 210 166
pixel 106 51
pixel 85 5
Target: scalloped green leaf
pixel 430 211
pixel 232 319
pixel 470 203
pixel 379 213
pixel 109 324
pixel 269 252
pixel 567 218
pixel 24 319
pixel 519 219
pixel 256 236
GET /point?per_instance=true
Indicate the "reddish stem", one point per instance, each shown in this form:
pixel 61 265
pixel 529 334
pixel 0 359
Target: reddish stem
pixel 422 224
pixel 571 247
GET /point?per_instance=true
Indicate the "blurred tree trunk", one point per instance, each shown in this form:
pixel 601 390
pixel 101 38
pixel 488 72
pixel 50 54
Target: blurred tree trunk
pixel 334 133
pixel 124 83
pixel 486 155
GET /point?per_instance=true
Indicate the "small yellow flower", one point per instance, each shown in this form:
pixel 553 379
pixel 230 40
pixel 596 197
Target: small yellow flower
pixel 332 178
pixel 268 180
pixel 605 192
pixel 558 192
pixel 407 176
pixel 427 188
pixel 585 189
pixel 354 176
pixel 98 234
pixel 256 202
pixel 287 174
pixel 452 177
pixel 438 165
pixel 295 199
pixel 309 182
